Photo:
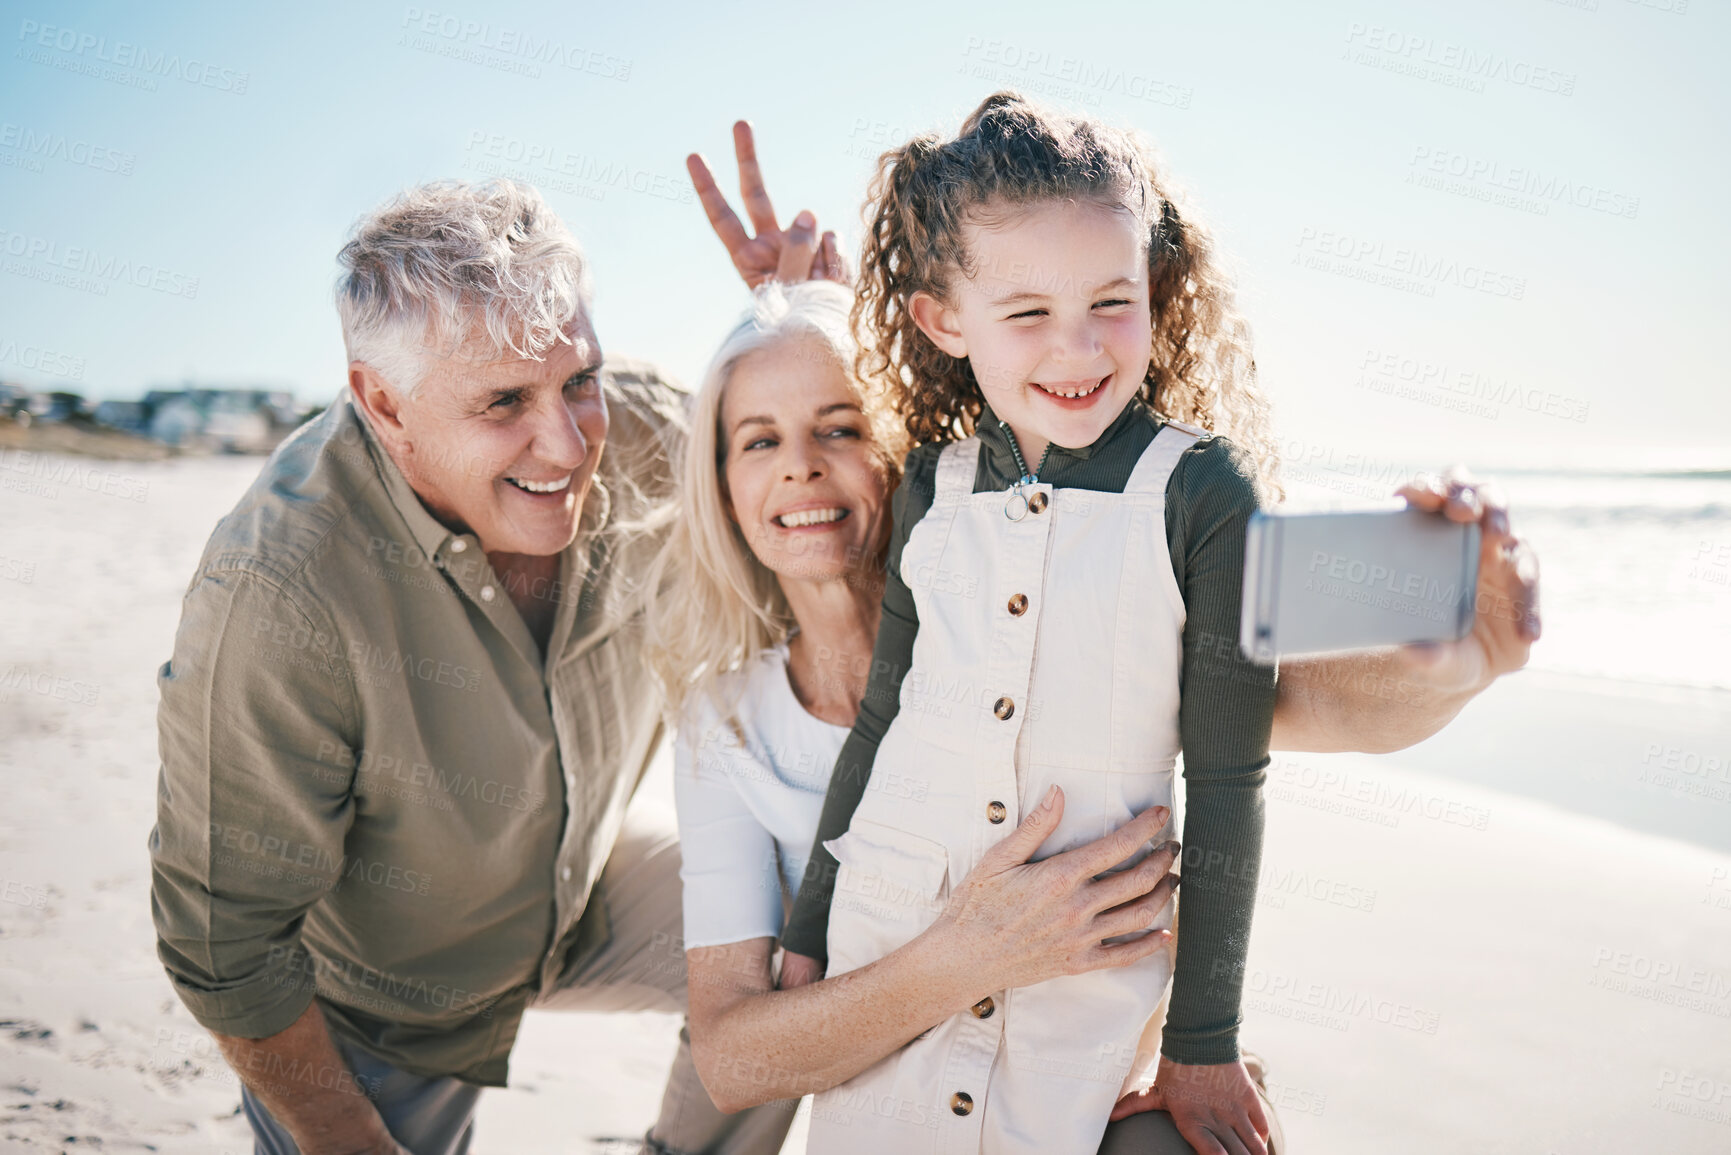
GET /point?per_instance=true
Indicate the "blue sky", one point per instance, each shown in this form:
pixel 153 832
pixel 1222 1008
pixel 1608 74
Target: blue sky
pixel 1488 229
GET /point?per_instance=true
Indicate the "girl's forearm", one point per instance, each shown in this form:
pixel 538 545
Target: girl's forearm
pixel 783 1044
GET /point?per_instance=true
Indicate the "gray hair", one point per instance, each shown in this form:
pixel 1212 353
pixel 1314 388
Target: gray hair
pixel 485 268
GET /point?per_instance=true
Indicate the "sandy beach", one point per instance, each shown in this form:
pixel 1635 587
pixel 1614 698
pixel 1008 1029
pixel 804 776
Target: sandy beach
pixel 1515 937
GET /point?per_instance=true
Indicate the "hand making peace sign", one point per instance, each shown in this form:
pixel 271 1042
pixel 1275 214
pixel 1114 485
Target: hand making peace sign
pixel 788 255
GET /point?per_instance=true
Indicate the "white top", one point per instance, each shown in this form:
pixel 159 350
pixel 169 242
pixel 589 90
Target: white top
pixel 748 810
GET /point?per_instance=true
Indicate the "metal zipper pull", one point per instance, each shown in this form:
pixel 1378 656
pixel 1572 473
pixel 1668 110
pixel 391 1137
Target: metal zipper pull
pixel 1016 506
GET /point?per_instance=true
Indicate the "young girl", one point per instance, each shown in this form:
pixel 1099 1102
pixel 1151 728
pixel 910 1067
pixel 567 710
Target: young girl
pixel 1060 614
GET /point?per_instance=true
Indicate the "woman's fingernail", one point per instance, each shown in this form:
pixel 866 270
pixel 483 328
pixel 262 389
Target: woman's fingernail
pixel 804 220
pixel 1051 797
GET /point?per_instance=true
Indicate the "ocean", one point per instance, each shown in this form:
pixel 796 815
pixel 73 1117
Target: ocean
pixel 1635 565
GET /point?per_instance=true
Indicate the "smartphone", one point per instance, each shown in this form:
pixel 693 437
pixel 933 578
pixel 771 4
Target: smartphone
pixel 1317 583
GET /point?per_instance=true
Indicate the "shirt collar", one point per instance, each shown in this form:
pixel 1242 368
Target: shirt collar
pixel 428 531
pixel 996 440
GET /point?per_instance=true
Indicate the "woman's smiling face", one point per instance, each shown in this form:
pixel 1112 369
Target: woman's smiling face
pixel 804 479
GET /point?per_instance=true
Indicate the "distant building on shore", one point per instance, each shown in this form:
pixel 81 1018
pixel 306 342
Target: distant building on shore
pixel 23 405
pixel 191 417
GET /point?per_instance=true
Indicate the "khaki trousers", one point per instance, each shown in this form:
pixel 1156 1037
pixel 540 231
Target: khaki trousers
pixel 641 967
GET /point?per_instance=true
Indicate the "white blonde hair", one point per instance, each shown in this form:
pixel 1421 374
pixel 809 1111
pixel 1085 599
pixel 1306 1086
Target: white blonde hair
pixel 715 607
pixel 484 269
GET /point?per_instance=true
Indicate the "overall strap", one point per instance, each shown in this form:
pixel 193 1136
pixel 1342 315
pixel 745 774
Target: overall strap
pixel 957 465
pixel 1154 468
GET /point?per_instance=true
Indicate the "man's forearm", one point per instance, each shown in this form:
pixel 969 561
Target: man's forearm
pixel 302 1080
pixel 1363 702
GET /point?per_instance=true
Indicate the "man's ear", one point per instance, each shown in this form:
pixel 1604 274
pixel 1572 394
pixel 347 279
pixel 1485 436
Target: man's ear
pixel 938 322
pixel 377 400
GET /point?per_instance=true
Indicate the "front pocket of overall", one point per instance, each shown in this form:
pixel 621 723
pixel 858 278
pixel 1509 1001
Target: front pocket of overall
pixel 889 886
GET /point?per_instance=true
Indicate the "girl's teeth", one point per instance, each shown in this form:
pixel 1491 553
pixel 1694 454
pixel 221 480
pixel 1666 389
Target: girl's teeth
pixel 1073 393
pixel 541 486
pixel 810 517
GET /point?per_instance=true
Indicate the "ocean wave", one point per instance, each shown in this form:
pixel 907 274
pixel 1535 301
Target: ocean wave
pixel 1616 474
pixel 1646 513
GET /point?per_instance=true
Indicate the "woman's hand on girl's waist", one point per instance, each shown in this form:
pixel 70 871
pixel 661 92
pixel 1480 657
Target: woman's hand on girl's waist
pixel 1015 923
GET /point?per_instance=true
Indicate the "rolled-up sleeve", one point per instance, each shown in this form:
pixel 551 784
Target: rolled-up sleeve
pixel 254 799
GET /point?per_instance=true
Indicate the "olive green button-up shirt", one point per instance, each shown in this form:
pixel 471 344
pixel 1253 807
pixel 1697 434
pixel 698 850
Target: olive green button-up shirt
pixel 375 788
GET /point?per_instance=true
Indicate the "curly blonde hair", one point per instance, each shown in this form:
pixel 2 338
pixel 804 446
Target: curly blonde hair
pixel 1011 152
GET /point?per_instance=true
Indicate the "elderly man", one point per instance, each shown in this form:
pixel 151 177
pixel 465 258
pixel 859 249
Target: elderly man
pixel 406 707
pixel 405 711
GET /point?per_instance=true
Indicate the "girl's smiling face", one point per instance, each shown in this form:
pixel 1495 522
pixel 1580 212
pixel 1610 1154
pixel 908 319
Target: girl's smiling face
pixel 1055 321
pixel 804 479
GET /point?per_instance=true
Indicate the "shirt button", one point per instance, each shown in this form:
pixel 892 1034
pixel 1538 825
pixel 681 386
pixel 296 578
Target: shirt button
pixel 1037 503
pixel 459 546
pixel 984 1008
pixel 565 873
pixel 486 593
pixel 1018 605
pixel 1003 708
pixel 996 812
pixel 961 1103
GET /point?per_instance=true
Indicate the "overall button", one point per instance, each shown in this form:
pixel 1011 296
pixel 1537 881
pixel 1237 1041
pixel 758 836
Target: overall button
pixel 1018 605
pixel 565 873
pixel 961 1103
pixel 459 546
pixel 984 1008
pixel 487 593
pixel 1003 708
pixel 996 812
pixel 1037 503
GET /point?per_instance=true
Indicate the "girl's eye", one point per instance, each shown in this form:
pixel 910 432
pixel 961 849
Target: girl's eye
pixel 760 443
pixel 1027 315
pixel 843 431
pixel 1116 303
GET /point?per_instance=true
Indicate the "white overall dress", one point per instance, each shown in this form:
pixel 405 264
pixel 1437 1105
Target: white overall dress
pixel 1049 651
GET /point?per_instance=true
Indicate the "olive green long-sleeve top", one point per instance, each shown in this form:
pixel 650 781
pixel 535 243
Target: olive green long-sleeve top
pixel 1225 716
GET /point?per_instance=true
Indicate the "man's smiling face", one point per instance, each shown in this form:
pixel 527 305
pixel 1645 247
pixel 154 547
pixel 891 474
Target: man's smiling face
pixel 505 449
